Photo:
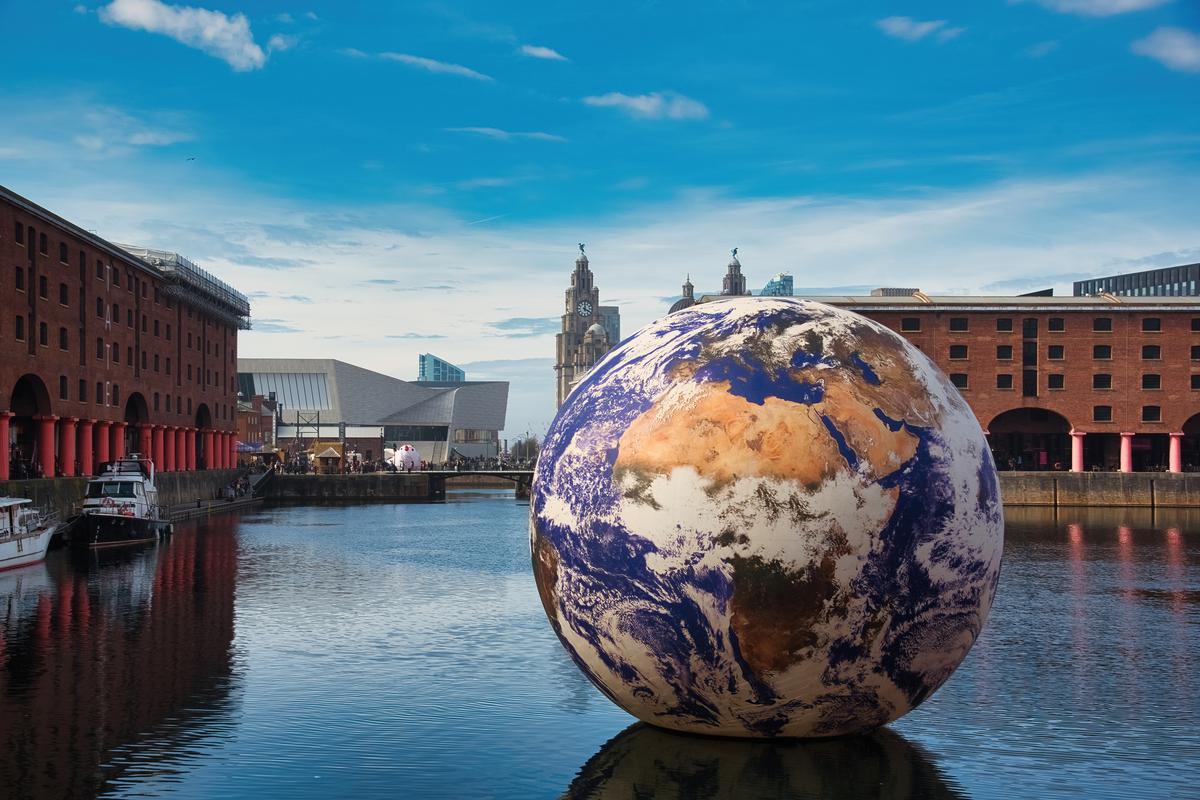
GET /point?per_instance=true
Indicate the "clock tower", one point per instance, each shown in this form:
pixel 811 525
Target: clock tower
pixel 588 330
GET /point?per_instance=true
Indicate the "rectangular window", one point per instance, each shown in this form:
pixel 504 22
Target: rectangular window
pixel 20 279
pixel 100 307
pixel 1196 381
pixel 116 353
pixel 1151 414
pixel 1004 381
pixel 43 288
pixel 168 332
pixel 1151 381
pixel 43 335
pixel 1151 352
pixel 1151 325
pixel 168 366
pixel 144 326
pixel 63 255
pixel 1102 380
pixel 156 362
pixel 1102 413
pixel 1004 324
pixel 1195 324
pixel 43 247
pixel 1102 324
pixel 1029 328
pixel 128 318
pixel 1004 352
pixel 958 324
pixel 1055 382
pixel 19 331
pixel 82 390
pixel 143 359
pixel 129 355
pixel 958 352
pixel 100 348
pixel 62 387
pixel 959 379
pixel 63 339
pixel 99 393
pixel 116 277
pixel 156 327
pixel 116 395
pixel 19 233
pixel 1056 352
pixel 64 296
pixel 907 325
pixel 1102 352
pixel 1056 325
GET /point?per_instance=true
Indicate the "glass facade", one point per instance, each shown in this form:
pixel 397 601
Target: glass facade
pixel 1168 282
pixel 779 286
pixel 432 368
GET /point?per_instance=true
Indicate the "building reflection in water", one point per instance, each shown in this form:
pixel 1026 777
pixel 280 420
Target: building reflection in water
pixel 644 761
pixel 107 660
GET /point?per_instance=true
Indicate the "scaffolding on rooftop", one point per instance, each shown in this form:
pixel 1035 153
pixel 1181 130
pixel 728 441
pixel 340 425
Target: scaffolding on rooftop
pixel 196 285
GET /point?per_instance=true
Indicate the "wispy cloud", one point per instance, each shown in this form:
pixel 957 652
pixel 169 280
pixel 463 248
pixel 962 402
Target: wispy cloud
pixel 536 51
pixel 226 37
pixel 274 326
pixel 503 135
pixel 280 42
pixel 1100 8
pixel 431 65
pixel 1174 48
pixel 656 105
pixel 415 336
pixel 525 327
pixel 1041 49
pixel 912 30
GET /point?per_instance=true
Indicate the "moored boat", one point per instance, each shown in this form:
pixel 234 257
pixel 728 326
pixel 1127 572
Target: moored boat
pixel 25 532
pixel 121 506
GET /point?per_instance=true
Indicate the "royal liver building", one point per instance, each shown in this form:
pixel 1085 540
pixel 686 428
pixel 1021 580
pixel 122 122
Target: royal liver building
pixel 589 330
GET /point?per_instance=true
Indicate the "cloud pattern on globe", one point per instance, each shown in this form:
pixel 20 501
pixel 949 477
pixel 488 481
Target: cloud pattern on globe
pixel 766 517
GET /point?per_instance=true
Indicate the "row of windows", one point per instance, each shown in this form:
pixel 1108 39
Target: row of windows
pixel 1100 381
pixel 1057 352
pixel 1054 325
pixel 114 398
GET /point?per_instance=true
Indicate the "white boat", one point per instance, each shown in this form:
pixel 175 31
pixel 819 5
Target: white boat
pixel 121 506
pixel 25 532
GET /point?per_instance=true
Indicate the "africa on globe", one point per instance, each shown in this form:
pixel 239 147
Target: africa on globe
pixel 764 517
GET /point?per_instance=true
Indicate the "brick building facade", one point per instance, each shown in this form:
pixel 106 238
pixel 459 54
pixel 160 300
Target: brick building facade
pixel 1110 383
pixel 105 353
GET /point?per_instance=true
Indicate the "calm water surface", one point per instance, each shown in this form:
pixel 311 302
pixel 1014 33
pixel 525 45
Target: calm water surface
pixel 401 651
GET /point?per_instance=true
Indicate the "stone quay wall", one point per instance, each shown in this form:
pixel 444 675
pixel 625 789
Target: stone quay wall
pixel 1108 489
pixel 411 487
pixel 64 495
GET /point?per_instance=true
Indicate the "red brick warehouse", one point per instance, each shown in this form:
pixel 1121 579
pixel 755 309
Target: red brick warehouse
pixel 1103 382
pixel 107 352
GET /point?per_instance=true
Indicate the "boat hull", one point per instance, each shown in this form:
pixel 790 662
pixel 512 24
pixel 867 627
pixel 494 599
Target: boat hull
pixel 113 530
pixel 21 551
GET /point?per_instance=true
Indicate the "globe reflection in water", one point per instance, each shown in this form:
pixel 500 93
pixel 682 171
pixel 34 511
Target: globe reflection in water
pixel 643 761
pixel 766 517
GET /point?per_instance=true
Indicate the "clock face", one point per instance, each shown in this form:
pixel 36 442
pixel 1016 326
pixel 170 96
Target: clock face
pixel 584 308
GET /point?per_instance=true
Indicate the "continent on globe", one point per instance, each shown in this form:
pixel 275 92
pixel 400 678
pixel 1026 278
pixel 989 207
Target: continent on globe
pixel 766 517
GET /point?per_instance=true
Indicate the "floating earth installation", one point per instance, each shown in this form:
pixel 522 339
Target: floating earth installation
pixel 766 517
pixel 406 456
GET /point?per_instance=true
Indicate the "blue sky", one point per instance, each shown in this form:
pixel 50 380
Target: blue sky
pixel 386 179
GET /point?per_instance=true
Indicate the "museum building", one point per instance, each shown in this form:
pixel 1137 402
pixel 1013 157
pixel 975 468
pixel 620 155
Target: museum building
pixel 107 352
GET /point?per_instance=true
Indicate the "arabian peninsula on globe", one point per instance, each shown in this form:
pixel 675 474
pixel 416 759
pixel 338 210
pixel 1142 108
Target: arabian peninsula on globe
pixel 766 517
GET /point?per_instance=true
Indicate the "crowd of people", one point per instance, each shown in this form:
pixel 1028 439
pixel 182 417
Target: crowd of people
pixel 354 464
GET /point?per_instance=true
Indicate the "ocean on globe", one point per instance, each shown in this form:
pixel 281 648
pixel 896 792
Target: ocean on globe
pixel 765 517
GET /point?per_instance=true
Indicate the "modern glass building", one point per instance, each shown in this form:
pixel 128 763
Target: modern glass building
pixel 1181 281
pixel 779 286
pixel 432 368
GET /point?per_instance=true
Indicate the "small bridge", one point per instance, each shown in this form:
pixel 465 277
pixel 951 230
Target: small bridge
pixel 521 478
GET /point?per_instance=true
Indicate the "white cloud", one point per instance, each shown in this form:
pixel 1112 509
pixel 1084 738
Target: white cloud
pixel 1174 48
pixel 81 9
pixel 656 105
pixel 311 15
pixel 911 30
pixel 284 17
pixel 1100 8
pixel 536 51
pixel 503 135
pixel 280 42
pixel 430 65
pixel 354 52
pixel 212 32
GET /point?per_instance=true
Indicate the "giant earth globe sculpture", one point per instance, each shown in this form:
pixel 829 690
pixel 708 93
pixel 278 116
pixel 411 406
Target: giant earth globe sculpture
pixel 766 517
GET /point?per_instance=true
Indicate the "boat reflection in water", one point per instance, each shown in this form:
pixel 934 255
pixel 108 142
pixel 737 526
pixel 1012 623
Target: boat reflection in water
pixel 644 761
pixel 111 661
